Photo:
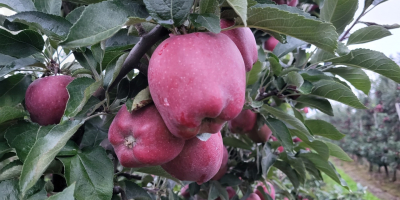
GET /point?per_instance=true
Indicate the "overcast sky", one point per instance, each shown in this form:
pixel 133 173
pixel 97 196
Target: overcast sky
pixel 385 13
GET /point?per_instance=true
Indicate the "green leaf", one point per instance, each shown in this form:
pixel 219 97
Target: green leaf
pixel 95 131
pixel 356 76
pixel 326 167
pixel 98 51
pixel 302 26
pixel 319 146
pixel 368 34
pixel 10 113
pixel 240 7
pixel 289 119
pixel 9 64
pixel 44 151
pixel 297 114
pixel 292 44
pixel 321 55
pixel 280 130
pixel 234 142
pixel 74 15
pixel 339 12
pixel 22 137
pixel 121 41
pixel 18 5
pixel 321 104
pixel 134 191
pixel 290 172
pixel 4 148
pixel 336 91
pixel 207 20
pixel 13 88
pixel 301 135
pixel 30 41
pixel 298 165
pixel 275 66
pixel 335 150
pixel 371 60
pixel 80 90
pixel 9 190
pixel 113 69
pixel 70 149
pixel 158 171
pixel 253 74
pixel 92 181
pixel 66 194
pixel 11 170
pixel 48 6
pixel 55 27
pixel 295 79
pixel 169 12
pixel 208 6
pixel 323 128
pixel 90 27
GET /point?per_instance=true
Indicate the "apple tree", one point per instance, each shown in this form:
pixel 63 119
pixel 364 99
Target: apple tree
pixel 152 99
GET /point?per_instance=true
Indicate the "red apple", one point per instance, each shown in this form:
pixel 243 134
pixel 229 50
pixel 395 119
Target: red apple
pixel 199 160
pixel 288 2
pixel 253 196
pixel 141 138
pixel 224 166
pixel 280 149
pixel 244 40
pixel 271 192
pixel 379 108
pixel 46 99
pixel 197 82
pixel 243 123
pixel 270 43
pixel 296 139
pixel 273 138
pixel 305 110
pixel 260 135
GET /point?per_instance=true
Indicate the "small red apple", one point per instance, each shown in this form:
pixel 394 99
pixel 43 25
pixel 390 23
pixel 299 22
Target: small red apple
pixel 296 139
pixel 270 43
pixel 141 138
pixel 379 108
pixel 289 3
pixel 244 40
pixel 197 82
pixel 280 149
pixel 305 110
pixel 199 160
pixel 273 138
pixel 243 123
pixel 224 166
pixel 46 99
pixel 260 135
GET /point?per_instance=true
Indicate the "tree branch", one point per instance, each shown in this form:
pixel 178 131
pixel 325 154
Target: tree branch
pixel 138 51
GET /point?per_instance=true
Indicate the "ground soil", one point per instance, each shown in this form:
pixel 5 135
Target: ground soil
pixel 377 183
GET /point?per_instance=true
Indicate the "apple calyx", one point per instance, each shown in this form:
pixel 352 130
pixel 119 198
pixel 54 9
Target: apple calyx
pixel 129 141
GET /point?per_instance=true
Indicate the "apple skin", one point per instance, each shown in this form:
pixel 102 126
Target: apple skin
pixel 280 149
pixel 296 139
pixel 152 143
pixel 197 82
pixel 253 196
pixel 305 110
pixel 224 166
pixel 270 43
pixel 272 193
pixel 46 99
pixel 260 135
pixel 243 123
pixel 199 160
pixel 289 3
pixel 244 40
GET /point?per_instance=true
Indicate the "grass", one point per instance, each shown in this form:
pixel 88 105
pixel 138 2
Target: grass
pixel 330 184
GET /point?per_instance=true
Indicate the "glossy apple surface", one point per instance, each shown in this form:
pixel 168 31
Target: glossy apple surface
pixel 46 99
pixel 197 82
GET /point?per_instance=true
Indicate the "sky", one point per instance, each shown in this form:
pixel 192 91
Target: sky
pixel 385 13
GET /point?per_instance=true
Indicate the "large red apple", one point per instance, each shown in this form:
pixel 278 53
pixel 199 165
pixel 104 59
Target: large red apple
pixel 271 192
pixel 197 82
pixel 244 40
pixel 270 43
pixel 224 166
pixel 141 138
pixel 46 99
pixel 199 160
pixel 243 123
pixel 260 135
